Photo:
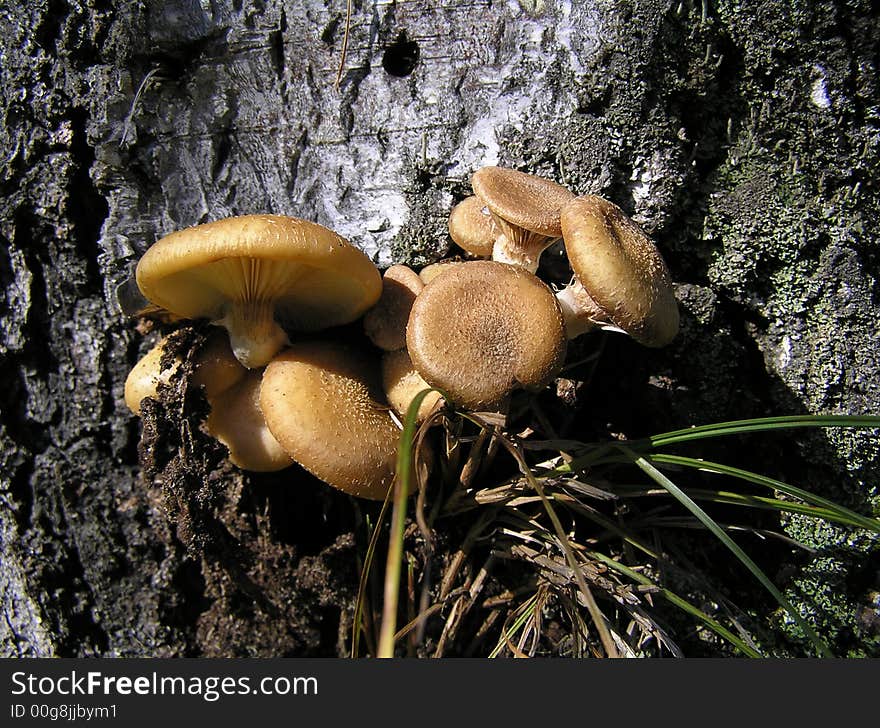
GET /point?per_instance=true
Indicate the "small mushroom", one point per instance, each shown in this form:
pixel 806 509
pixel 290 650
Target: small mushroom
pixel 322 401
pixel 525 209
pixel 251 272
pixel 237 421
pixel 215 369
pixel 621 281
pixel 385 323
pixel 430 272
pixel 483 329
pixel 145 377
pixel 402 383
pixel 472 228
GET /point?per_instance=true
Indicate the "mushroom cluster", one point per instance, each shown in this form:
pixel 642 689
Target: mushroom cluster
pixel 482 328
pixel 283 385
pixel 281 389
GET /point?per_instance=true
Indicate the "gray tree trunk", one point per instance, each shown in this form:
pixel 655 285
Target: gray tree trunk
pixel 743 135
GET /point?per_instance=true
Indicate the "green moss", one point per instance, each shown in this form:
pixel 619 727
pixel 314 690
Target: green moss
pixel 424 237
pixel 791 223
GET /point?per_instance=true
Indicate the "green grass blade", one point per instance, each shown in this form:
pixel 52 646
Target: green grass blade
pixel 364 578
pixel 681 603
pixel 741 499
pixel 737 427
pixel 398 522
pixel 522 616
pixel 596 614
pixel 719 533
pixel 840 513
pixel 669 595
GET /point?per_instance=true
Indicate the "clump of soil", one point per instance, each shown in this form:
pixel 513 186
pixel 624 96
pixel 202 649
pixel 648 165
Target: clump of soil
pixel 263 574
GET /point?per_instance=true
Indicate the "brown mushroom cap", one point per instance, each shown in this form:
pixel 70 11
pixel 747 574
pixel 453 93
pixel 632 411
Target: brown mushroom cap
pixel 472 227
pixel 246 272
pixel 525 208
pixel 237 421
pixel 620 269
pixel 322 401
pixel 385 323
pixel 483 329
pixel 402 383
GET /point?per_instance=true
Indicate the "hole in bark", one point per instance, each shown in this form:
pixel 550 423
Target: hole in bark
pixel 401 57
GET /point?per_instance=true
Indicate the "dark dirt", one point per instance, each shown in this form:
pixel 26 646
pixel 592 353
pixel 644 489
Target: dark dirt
pixel 249 582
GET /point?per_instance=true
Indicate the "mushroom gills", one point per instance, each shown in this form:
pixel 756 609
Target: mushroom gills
pixel 260 275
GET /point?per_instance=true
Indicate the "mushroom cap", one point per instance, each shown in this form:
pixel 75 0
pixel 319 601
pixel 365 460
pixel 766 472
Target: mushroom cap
pixel 621 269
pixel 521 199
pixel 144 378
pixel 430 272
pixel 472 227
pixel 237 421
pixel 402 383
pixel 315 278
pixel 385 323
pixel 482 329
pixel 322 400
pixel 216 368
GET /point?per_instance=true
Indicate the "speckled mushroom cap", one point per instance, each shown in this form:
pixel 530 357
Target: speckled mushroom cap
pixel 483 329
pixel 237 421
pixel 322 400
pixel 385 323
pixel 247 273
pixel 216 368
pixel 621 270
pixel 472 227
pixel 526 209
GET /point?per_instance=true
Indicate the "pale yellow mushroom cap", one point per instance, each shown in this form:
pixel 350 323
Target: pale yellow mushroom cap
pixel 472 227
pixel 215 368
pixel 483 329
pixel 251 272
pixel 145 377
pixel 526 209
pixel 620 269
pixel 385 323
pixel 323 402
pixel 237 421
pixel 402 383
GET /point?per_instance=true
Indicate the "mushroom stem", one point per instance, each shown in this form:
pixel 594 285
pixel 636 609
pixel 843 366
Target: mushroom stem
pixel 580 312
pixel 518 246
pixel 254 335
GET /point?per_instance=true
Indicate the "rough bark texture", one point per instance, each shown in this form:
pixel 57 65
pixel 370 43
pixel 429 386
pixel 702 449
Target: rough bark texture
pixel 743 135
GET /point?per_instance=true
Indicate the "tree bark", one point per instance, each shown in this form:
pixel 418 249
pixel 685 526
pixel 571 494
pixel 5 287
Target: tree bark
pixel 742 136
